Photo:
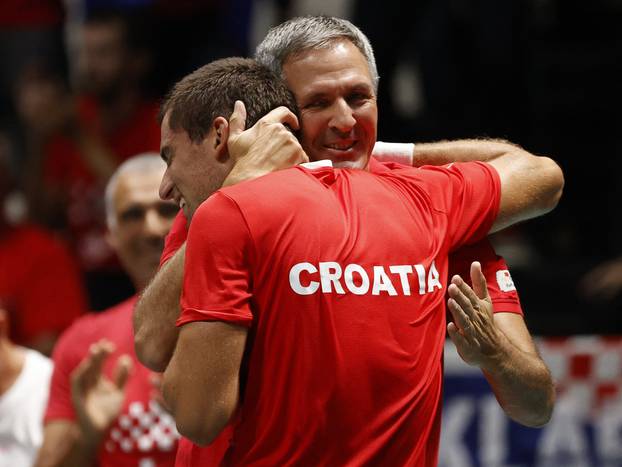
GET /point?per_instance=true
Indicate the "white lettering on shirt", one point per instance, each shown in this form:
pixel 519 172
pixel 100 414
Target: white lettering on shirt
pixel 349 278
pixel 330 273
pixel 433 279
pixel 330 277
pixel 294 279
pixel 382 283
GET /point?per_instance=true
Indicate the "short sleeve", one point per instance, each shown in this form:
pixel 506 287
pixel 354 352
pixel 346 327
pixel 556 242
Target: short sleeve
pixel 216 274
pixel 501 288
pixel 469 195
pixel 175 237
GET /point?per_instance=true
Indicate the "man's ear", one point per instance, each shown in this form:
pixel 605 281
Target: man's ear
pixel 220 127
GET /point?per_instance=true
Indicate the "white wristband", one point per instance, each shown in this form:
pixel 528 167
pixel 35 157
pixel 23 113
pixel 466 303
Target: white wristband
pixel 402 153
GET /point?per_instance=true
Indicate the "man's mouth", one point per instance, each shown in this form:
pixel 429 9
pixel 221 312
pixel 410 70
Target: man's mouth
pixel 341 146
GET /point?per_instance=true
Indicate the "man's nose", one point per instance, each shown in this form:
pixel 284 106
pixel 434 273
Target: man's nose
pixel 166 187
pixel 342 119
pixel 155 224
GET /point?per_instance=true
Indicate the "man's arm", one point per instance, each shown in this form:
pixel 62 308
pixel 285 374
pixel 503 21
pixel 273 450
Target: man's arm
pixel 59 437
pixel 156 312
pixel 201 383
pixel 503 349
pixel 530 185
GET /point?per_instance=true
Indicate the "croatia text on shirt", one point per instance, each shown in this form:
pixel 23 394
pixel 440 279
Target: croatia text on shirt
pixel 331 277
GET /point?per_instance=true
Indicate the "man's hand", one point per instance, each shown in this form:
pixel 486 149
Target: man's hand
pixel 265 147
pixel 96 399
pixel 473 331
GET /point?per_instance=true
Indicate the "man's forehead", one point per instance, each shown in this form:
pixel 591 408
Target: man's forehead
pixel 134 186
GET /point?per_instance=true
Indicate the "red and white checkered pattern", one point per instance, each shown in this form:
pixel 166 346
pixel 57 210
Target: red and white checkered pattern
pixel 142 428
pixel 587 370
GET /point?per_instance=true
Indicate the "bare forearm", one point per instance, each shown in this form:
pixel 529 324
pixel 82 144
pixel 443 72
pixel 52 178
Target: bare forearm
pixel 155 333
pixel 463 150
pixel 522 385
pixel 65 446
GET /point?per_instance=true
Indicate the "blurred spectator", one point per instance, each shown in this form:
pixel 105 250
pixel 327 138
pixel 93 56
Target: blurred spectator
pixel 29 31
pixel 104 409
pixel 81 140
pixel 24 382
pixel 39 281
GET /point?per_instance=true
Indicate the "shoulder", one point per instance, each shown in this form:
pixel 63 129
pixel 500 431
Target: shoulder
pixel 94 326
pixel 38 363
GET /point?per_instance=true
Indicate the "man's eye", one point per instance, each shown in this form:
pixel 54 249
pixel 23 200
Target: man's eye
pixel 132 214
pixel 358 97
pixel 317 104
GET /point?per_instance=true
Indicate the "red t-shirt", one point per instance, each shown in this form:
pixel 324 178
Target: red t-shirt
pixel 143 434
pixel 340 276
pixel 67 175
pixel 501 288
pixel 39 283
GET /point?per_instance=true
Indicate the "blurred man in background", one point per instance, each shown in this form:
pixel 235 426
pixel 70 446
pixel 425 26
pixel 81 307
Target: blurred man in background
pixel 103 407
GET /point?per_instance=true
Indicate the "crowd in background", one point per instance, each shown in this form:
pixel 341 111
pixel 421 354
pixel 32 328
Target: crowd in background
pixel 80 83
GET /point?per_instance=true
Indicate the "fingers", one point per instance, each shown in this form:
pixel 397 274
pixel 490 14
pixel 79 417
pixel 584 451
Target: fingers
pixel 480 287
pixel 237 120
pixel 465 291
pixel 89 370
pixel 454 334
pixel 281 115
pixel 122 370
pixel 461 320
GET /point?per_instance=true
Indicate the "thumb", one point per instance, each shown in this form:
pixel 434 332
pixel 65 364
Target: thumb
pixel 237 120
pixel 480 287
pixel 122 371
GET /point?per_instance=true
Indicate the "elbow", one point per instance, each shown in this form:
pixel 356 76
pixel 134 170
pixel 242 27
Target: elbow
pixel 539 413
pixel 203 431
pixel 554 183
pixel 150 355
pixel 537 418
pixel 201 421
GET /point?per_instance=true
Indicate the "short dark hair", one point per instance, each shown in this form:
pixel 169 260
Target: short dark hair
pixel 211 91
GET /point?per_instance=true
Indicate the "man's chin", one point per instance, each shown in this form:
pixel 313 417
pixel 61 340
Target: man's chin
pixel 360 163
pixel 352 159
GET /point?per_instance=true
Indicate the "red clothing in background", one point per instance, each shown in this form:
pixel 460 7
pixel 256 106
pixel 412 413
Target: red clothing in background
pixel 144 433
pixel 39 283
pixel 66 174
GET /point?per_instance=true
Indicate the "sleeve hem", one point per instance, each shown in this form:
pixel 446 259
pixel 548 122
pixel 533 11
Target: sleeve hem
pixel 191 315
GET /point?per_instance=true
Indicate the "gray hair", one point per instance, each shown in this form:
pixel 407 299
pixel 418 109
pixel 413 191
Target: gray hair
pixel 311 32
pixel 141 163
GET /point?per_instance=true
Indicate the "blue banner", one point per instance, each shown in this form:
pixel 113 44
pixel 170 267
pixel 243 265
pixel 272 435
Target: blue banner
pixel 586 427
